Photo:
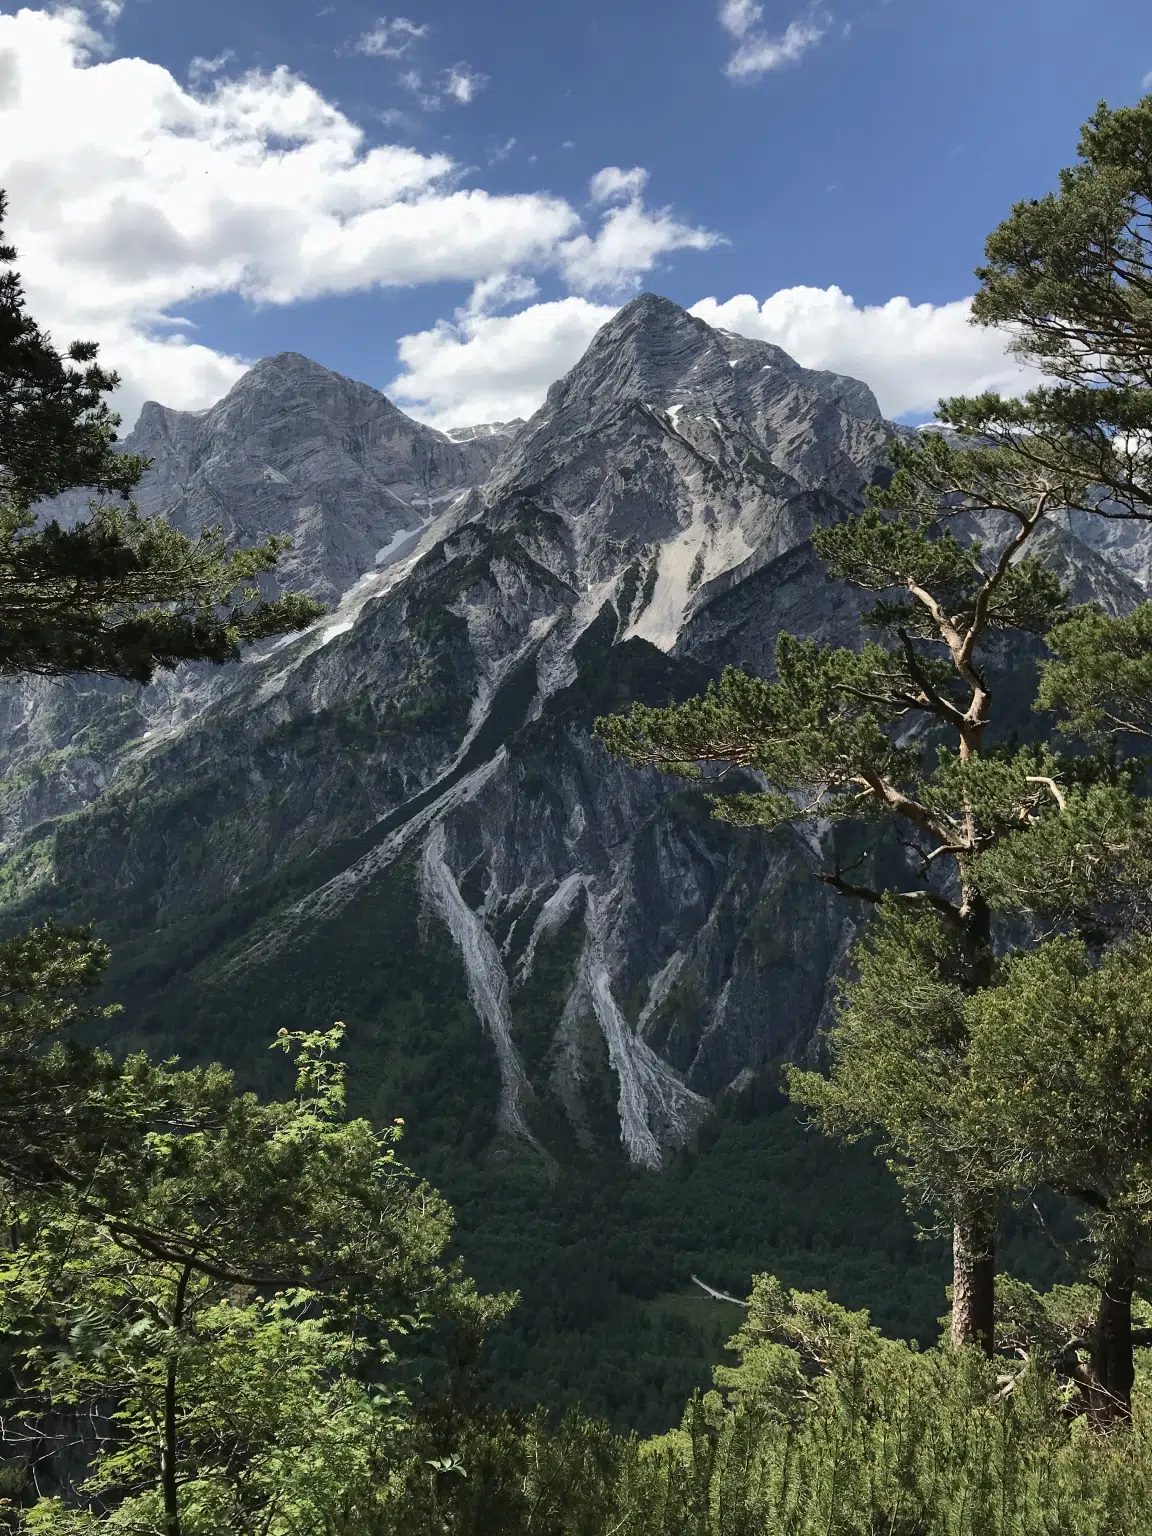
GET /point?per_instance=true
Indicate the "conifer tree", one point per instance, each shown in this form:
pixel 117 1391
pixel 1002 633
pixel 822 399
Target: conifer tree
pixel 1059 1085
pixel 899 730
pixel 1059 1092
pixel 118 595
pixel 1069 278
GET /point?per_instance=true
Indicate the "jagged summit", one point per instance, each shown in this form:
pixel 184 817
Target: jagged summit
pixel 676 454
pixel 656 351
pixel 298 450
pixel 288 362
pixel 646 350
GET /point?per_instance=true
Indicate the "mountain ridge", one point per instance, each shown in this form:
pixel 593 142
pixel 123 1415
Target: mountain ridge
pixel 401 813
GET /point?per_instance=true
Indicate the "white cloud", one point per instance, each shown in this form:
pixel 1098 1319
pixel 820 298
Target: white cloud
pixel 627 245
pixel 389 39
pixel 1146 83
pixel 738 17
pixel 499 291
pixel 179 372
pixel 200 68
pixel 758 53
pixel 462 83
pixel 484 367
pixel 147 195
pixel 612 185
pixel 910 354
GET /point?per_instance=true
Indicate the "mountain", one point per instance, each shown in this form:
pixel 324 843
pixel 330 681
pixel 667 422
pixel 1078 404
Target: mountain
pixel 293 449
pixel 296 450
pixel 400 818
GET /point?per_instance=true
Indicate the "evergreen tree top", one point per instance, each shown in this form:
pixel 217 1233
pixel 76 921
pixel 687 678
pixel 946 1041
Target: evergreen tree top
pixel 118 595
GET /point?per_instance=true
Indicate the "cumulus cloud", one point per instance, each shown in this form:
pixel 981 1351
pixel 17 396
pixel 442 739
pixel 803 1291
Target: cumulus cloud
pixel 491 367
pixel 147 195
pixel 910 354
pixel 631 238
pixel 738 17
pixel 389 39
pixel 757 53
pixel 485 367
pixel 613 185
pixel 629 243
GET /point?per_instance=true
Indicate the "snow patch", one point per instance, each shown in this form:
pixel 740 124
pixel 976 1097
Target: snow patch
pixel 399 538
pixel 374 584
pixel 437 501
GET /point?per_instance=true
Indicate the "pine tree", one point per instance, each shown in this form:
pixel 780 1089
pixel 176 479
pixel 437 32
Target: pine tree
pixel 1062 1043
pixel 899 731
pixel 117 595
pixel 1069 276
pixel 1059 1092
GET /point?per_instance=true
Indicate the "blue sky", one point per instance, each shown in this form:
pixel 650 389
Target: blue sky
pixel 428 174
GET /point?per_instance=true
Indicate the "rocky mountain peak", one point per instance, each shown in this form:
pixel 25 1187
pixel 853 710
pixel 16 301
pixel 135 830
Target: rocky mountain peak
pixel 298 450
pixel 655 351
pixel 645 351
pixel 675 454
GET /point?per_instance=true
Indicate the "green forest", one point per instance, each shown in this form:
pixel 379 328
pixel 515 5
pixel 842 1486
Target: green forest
pixel 905 1287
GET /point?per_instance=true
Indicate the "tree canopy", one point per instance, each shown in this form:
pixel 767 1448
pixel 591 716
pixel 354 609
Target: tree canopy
pixel 907 727
pixel 118 594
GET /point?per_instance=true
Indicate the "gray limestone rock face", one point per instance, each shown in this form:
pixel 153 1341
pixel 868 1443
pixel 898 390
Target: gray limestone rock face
pixel 296 450
pixel 293 450
pixel 403 812
pixel 686 453
pixel 301 452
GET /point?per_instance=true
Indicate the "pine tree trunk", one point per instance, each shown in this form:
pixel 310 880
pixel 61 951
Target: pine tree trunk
pixel 1113 1367
pixel 974 1225
pixel 169 1449
pixel 168 1483
pixel 974 1280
